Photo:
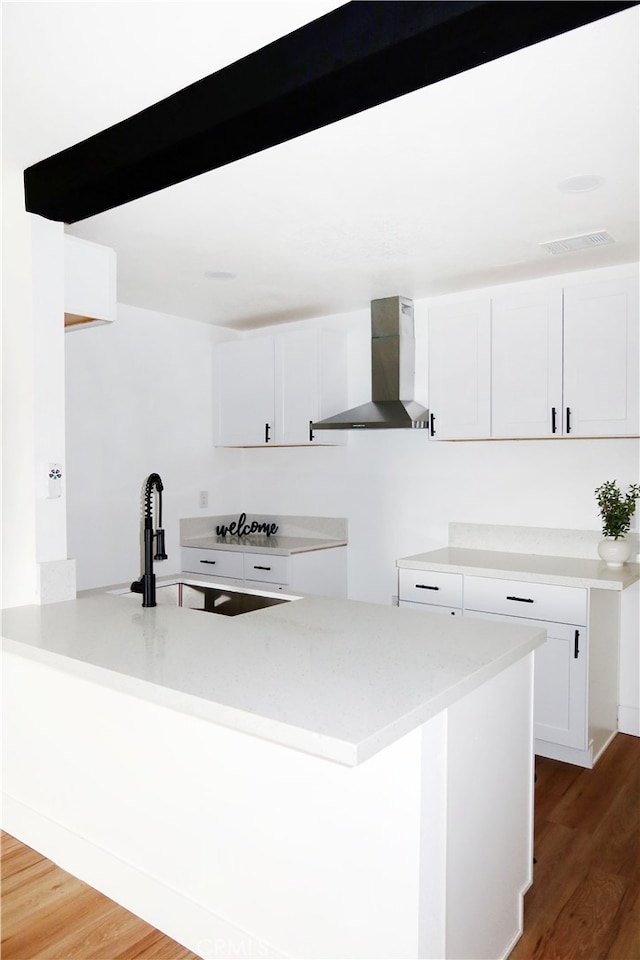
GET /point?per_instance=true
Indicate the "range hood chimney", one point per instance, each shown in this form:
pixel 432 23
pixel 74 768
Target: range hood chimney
pixel 393 351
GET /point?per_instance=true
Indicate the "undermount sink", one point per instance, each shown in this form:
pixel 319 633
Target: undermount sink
pixel 217 598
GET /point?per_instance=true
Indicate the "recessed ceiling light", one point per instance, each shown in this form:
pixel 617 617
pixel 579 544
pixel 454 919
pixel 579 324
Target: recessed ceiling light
pixel 581 184
pixel 219 275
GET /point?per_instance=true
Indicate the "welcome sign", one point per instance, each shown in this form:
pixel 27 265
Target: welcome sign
pixel 242 528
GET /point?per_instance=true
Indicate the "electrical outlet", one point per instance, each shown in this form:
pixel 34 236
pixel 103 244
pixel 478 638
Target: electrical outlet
pixel 204 499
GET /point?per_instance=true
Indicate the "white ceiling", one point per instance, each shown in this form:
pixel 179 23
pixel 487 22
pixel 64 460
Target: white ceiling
pixel 449 188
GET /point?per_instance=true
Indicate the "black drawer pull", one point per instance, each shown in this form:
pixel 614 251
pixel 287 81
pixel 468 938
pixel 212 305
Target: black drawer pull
pixel 576 649
pixel 432 424
pixel 568 419
pixel 207 561
pixel 554 425
pixel 311 437
pixel 261 568
pixel 521 599
pixel 425 586
pixel 267 433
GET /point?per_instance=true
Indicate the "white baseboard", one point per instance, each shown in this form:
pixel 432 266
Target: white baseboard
pixel 629 720
pixel 188 923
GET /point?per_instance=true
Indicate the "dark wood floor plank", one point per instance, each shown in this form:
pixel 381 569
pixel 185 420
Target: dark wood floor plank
pixel 581 929
pixel 584 903
pixel 625 944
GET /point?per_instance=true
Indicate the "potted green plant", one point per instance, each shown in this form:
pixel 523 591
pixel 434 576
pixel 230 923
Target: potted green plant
pixel 616 512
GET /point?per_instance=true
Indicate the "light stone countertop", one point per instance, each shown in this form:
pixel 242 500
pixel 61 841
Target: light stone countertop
pixel 565 571
pixel 338 679
pixel 295 534
pixel 259 543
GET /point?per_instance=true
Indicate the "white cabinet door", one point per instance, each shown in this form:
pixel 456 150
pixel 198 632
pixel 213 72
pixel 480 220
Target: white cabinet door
pixel 601 359
pixel 310 383
pixel 526 364
pixel 560 692
pixel 560 696
pixel 460 370
pixel 244 393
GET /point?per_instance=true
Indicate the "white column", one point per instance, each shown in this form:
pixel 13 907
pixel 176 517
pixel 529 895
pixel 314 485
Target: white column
pixel 34 551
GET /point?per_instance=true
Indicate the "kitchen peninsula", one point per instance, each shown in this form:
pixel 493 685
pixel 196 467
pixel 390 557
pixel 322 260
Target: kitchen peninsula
pixel 321 778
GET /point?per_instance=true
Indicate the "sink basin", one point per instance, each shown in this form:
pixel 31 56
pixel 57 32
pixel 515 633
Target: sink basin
pixel 211 598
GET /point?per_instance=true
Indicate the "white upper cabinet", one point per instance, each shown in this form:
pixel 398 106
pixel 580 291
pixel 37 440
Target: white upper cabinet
pixel 526 364
pixel 310 384
pixel 460 370
pixel 244 414
pixel 268 390
pixel 89 283
pixel 537 362
pixel 601 359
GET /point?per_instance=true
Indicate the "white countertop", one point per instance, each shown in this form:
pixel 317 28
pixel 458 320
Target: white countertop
pixel 293 534
pixel 339 679
pixel 260 543
pixel 566 571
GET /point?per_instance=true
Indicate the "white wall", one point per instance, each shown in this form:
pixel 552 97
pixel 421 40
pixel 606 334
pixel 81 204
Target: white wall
pixel 398 489
pixel 138 397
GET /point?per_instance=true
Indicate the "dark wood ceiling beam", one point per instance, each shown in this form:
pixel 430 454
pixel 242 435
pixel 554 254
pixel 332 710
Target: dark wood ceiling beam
pixel 356 57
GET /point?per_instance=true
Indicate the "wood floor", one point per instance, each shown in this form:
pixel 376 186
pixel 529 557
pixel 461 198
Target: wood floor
pixel 47 913
pixel 585 900
pixel 584 903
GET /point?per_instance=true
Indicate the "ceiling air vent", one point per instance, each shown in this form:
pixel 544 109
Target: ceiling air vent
pixel 599 239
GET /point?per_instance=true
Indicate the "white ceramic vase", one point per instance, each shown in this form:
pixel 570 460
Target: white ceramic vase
pixel 614 552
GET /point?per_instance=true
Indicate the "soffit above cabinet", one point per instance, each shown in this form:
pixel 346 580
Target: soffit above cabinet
pixel 89 283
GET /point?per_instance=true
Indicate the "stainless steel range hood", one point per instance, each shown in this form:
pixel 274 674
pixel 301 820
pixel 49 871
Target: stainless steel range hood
pixel 392 403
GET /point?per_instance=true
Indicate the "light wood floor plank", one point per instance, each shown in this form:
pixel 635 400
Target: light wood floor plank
pixel 47 914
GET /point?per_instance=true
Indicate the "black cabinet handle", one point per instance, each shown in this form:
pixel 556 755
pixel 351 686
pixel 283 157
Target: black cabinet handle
pixel 554 425
pixel 267 431
pixel 261 568
pixel 425 586
pixel 207 561
pixel 521 599
pixel 576 649
pixel 432 425
pixel 568 419
pixel 310 431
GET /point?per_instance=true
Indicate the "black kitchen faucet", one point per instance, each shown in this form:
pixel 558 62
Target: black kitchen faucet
pixel 146 585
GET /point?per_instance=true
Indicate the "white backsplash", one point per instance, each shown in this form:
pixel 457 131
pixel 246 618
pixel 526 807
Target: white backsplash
pixel 548 541
pixel 323 528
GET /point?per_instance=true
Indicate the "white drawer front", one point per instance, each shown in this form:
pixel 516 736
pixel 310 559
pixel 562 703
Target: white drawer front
pixel 425 586
pixel 519 598
pixel 213 563
pixel 430 608
pixel 271 568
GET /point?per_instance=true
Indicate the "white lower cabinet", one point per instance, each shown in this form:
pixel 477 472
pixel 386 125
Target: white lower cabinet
pixel 561 696
pixel 560 688
pixel 432 592
pixel 321 572
pixel 431 608
pixel 213 563
pixel 575 707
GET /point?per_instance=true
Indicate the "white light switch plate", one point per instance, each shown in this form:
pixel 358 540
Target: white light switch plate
pixel 55 481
